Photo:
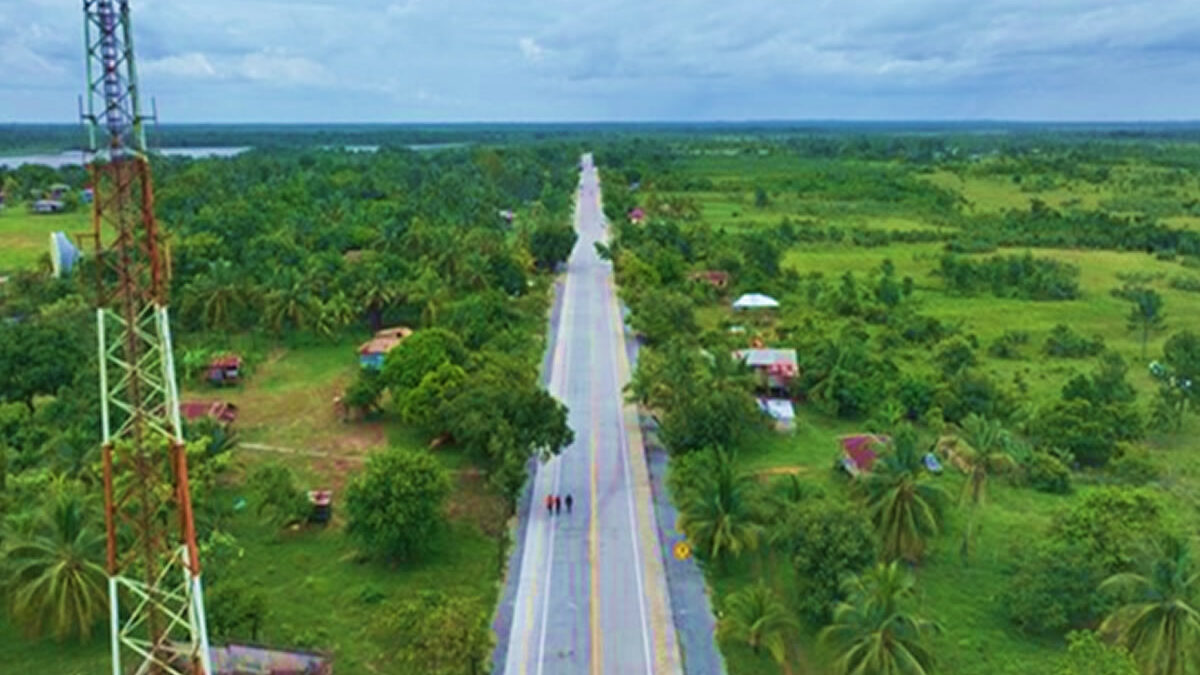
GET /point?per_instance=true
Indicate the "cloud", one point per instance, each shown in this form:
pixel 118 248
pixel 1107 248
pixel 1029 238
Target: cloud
pixel 192 65
pixel 20 63
pixel 686 59
pixel 274 66
pixel 530 49
pixel 402 8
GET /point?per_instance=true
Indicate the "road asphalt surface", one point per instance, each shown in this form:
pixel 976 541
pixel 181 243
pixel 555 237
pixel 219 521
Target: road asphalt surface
pixel 592 594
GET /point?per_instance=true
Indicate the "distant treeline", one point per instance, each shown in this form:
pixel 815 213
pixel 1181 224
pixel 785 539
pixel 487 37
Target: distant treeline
pixel 908 139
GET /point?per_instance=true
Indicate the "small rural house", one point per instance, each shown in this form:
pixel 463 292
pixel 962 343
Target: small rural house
pixel 253 660
pixel 755 301
pixel 221 411
pixel 48 206
pixel 372 352
pixel 715 278
pixel 858 452
pixel 637 216
pixel 776 367
pixel 781 411
pixel 225 369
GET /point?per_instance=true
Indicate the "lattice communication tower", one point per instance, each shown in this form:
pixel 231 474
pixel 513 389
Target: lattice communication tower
pixel 156 600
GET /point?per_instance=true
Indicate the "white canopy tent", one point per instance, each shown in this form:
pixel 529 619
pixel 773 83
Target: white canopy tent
pixel 755 301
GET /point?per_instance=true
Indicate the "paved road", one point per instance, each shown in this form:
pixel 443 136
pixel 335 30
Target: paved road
pixel 592 594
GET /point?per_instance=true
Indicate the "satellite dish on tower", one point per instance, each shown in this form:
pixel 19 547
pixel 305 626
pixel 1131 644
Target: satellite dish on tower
pixel 63 254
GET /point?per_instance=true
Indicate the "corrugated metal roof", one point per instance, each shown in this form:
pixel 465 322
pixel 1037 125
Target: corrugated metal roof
pixel 761 358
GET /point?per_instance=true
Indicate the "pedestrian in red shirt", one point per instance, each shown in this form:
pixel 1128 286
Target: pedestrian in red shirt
pixel 550 504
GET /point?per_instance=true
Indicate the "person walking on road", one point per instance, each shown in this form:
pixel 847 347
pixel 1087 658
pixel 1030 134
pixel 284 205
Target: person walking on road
pixel 550 504
pixel 569 502
pixel 557 505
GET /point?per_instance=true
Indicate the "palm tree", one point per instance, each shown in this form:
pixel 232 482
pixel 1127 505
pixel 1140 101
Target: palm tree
pixel 52 579
pixel 985 451
pixel 756 615
pixel 904 507
pixel 334 314
pixel 1160 623
pixel 218 297
pixel 722 515
pixel 376 292
pixel 289 305
pixel 872 631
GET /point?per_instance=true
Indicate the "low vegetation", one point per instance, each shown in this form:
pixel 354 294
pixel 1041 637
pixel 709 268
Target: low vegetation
pixel 291 258
pixel 1013 343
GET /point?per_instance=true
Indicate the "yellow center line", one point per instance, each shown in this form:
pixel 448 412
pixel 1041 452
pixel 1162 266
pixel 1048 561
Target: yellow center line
pixel 597 661
pixel 597 650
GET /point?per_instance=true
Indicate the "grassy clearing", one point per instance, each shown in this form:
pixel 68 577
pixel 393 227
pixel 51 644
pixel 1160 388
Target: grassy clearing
pixel 965 598
pixel 25 237
pixel 319 594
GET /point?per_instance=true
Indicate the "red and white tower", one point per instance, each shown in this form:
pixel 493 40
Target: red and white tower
pixel 155 595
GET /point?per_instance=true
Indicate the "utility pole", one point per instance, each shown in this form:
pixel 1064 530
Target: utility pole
pixel 156 600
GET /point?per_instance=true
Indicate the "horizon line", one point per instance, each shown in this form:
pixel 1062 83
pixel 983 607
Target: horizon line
pixel 672 122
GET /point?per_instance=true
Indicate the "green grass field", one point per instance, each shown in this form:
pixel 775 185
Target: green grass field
pixel 25 236
pixel 318 592
pixel 977 638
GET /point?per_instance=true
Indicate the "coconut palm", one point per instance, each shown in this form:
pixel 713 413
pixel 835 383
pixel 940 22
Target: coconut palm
pixel 52 578
pixel 873 632
pixel 334 314
pixel 756 615
pixel 1159 623
pixel 291 305
pixel 722 516
pixel 218 297
pixel 984 448
pixel 375 292
pixel 905 508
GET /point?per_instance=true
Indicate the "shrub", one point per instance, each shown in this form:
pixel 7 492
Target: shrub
pixel 277 498
pixel 954 356
pixel 236 611
pixel 1134 467
pixel 1055 581
pixel 1053 587
pixel 1089 431
pixel 1011 276
pixel 1048 474
pixel 1064 342
pixel 396 504
pixel 434 634
pixel 825 540
pixel 1007 345
pixel 975 393
pixel 1183 283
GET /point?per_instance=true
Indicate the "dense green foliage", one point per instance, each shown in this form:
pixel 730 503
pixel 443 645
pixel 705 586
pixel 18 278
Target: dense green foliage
pixel 964 287
pixel 436 633
pixel 282 252
pixel 874 630
pixel 397 505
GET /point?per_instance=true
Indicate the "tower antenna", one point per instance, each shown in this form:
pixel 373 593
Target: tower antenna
pixel 156 600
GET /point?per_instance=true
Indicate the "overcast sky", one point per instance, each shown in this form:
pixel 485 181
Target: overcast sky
pixel 541 60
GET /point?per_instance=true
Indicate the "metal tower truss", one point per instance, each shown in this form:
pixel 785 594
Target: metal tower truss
pixel 156 600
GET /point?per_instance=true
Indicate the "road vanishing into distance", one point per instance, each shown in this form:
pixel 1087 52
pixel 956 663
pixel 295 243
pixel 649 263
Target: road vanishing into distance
pixel 592 593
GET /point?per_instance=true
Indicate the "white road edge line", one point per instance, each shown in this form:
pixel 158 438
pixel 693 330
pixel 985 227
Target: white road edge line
pixel 619 343
pixel 564 321
pixel 549 573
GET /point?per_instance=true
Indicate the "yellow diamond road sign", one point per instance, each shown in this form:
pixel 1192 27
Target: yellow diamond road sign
pixel 682 551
